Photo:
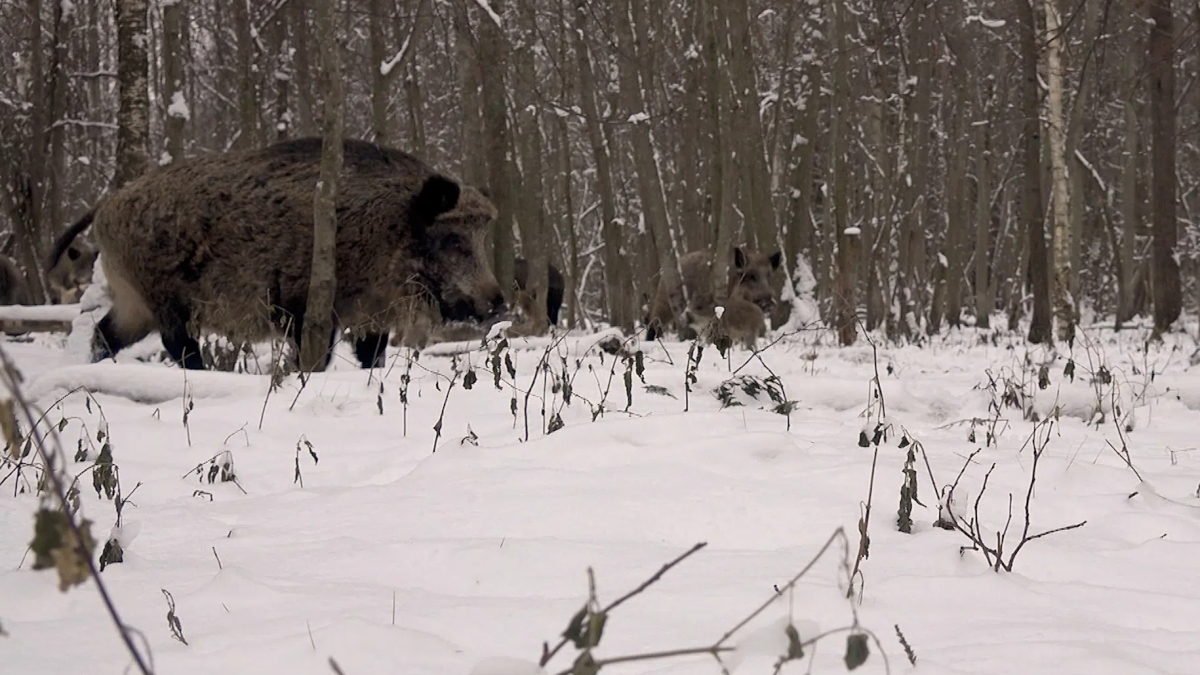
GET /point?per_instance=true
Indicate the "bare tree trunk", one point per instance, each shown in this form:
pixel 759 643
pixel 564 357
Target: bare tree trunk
pixel 958 221
pixel 721 171
pixel 845 296
pixel 1031 200
pixel 416 124
pixel 37 121
pixel 779 142
pixel 567 214
pixel 695 216
pixel 751 157
pixel 25 189
pixel 618 281
pixel 318 314
pixel 282 77
pixel 249 135
pixel 497 144
pixel 379 80
pixel 298 11
pixel 1168 299
pixel 1080 108
pixel 474 162
pixel 385 68
pixel 1063 292
pixel 985 301
pixel 133 115
pixel 801 231
pixel 1130 221
pixel 177 112
pixel 56 173
pixel 849 246
pixel 532 220
pixel 644 153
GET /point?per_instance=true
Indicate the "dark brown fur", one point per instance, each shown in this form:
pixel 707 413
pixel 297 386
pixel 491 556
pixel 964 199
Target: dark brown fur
pixel 421 324
pixel 13 289
pixel 223 243
pixel 749 279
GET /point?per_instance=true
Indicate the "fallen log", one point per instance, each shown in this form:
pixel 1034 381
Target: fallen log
pixel 18 319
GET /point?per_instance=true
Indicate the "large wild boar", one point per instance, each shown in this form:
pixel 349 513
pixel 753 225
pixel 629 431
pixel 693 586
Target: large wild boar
pixel 13 289
pixel 69 270
pixel 555 286
pixel 749 279
pixel 223 243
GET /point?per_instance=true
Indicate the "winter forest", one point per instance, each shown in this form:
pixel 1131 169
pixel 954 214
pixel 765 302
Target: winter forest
pixel 1022 158
pixel 707 287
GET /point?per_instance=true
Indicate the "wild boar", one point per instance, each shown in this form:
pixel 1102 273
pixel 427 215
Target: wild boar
pixel 13 289
pixel 749 279
pixel 555 286
pixel 223 243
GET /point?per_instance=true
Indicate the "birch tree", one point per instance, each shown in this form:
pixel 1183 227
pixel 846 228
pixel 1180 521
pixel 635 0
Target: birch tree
pixel 1063 291
pixel 133 75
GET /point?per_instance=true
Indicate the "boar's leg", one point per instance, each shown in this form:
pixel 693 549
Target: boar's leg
pixel 183 348
pixel 554 294
pixel 655 327
pixel 371 350
pixel 107 338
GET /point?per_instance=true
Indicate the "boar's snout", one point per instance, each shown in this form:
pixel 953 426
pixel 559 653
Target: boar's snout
pixel 464 308
pixel 497 305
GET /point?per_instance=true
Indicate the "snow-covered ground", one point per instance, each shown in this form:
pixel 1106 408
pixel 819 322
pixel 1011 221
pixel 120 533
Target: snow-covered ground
pixel 393 558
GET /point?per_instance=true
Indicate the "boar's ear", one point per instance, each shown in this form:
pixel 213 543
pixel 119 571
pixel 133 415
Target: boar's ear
pixel 776 258
pixel 438 195
pixel 739 257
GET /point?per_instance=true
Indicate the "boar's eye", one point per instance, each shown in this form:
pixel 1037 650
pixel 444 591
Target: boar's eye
pixel 751 277
pixel 455 243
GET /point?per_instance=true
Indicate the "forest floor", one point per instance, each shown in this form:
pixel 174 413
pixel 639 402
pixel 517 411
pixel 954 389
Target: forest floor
pixel 344 533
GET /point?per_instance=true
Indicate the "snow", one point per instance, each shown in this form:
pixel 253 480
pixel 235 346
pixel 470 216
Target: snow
pixel 985 22
pixel 499 665
pixel 801 294
pixel 386 67
pixel 638 117
pixel 389 557
pixel 483 4
pixel 179 107
pixel 39 312
pixel 497 328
